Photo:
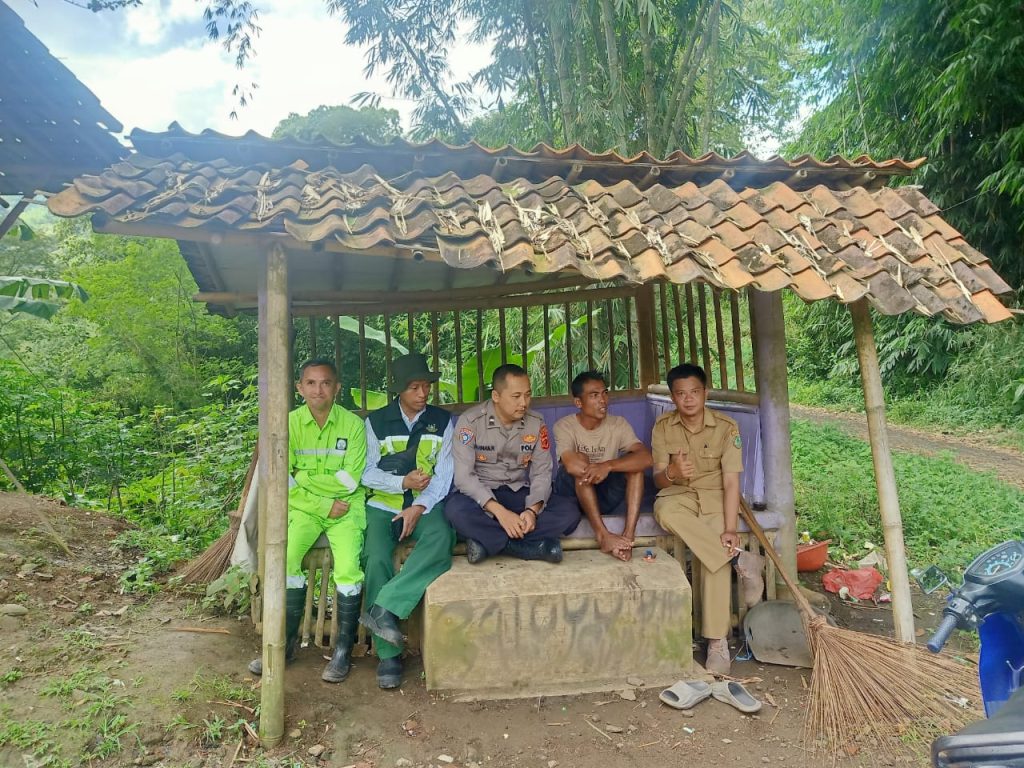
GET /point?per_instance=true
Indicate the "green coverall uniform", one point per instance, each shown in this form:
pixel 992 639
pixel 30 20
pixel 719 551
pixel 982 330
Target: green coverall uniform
pixel 326 464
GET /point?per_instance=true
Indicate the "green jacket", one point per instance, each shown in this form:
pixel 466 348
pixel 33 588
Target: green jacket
pixel 326 464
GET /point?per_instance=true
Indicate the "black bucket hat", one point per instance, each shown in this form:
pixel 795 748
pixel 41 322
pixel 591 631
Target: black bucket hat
pixel 410 367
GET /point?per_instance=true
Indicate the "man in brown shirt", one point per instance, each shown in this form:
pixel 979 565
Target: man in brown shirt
pixel 601 463
pixel 697 465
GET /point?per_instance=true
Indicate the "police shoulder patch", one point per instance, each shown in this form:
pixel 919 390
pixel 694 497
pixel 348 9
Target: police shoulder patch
pixel 545 443
pixel 737 441
pixel 465 435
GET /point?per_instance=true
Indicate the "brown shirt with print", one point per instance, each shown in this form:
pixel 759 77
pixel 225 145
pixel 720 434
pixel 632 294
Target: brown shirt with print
pixel 609 440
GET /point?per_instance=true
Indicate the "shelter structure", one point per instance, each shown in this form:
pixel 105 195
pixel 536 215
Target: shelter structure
pixel 563 258
pixel 52 127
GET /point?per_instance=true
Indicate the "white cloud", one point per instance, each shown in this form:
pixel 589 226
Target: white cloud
pixel 153 65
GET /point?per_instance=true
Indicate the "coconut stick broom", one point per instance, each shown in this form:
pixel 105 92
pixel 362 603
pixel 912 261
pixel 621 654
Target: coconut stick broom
pixel 870 686
pixel 212 564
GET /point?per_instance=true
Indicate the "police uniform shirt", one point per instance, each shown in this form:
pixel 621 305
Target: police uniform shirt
pixel 488 455
pixel 715 449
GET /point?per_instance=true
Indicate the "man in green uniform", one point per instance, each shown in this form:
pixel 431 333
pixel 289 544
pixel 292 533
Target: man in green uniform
pixel 408 475
pixel 326 454
pixel 697 465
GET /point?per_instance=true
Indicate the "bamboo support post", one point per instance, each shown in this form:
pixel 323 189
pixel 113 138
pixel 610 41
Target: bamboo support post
pixel 773 395
pixel 479 356
pixel 567 310
pixel 590 335
pixel 691 327
pixel 458 355
pixel 524 328
pixel 336 332
pixel 647 336
pixel 705 344
pixel 362 362
pixel 680 350
pixel 502 335
pixel 610 322
pixel 666 346
pixel 547 350
pixel 435 354
pixel 723 357
pixel 275 399
pixel 387 349
pixel 885 476
pixel 630 360
pixel 737 340
pixel 410 330
pixel 312 337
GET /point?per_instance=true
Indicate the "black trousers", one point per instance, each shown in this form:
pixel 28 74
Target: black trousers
pixel 559 517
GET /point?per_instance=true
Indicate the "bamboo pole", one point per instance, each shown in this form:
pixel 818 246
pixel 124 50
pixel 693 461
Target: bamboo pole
pixel 630 363
pixel 457 318
pixel 723 361
pixel 567 310
pixel 647 335
pixel 275 397
pixel 680 347
pixel 737 340
pixel 705 345
pixel 766 318
pixel 666 346
pixel 885 476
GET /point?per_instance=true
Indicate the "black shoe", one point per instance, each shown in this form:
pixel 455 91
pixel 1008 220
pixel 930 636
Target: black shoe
pixel 294 607
pixel 389 673
pixel 384 624
pixel 549 550
pixel 338 667
pixel 475 552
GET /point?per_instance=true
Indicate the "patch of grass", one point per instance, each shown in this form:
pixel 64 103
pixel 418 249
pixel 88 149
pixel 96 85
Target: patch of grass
pixel 11 676
pixel 950 513
pixel 34 736
pixel 110 733
pixel 87 679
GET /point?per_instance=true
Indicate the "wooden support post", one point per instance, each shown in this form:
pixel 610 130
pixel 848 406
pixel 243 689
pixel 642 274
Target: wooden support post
pixel 647 335
pixel 885 477
pixel 773 393
pixel 275 399
pixel 11 218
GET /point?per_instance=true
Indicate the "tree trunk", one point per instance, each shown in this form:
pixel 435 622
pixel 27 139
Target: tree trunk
pixel 646 47
pixel 684 69
pixel 709 89
pixel 562 55
pixel 691 79
pixel 616 94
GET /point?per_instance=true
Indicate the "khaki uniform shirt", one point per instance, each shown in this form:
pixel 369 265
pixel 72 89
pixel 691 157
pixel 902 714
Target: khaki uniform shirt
pixel 715 449
pixel 609 440
pixel 488 455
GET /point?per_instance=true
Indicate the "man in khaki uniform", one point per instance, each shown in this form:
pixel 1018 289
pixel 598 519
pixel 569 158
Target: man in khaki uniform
pixel 502 501
pixel 602 464
pixel 697 465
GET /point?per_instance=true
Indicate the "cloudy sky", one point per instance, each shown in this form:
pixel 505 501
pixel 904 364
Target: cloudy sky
pixel 153 65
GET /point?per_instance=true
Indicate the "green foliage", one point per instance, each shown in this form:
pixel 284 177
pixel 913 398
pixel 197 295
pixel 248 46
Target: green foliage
pixel 231 592
pixel 935 78
pixel 37 296
pixel 341 125
pixel 950 514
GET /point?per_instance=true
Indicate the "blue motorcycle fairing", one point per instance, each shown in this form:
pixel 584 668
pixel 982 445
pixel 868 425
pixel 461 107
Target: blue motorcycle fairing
pixel 1001 659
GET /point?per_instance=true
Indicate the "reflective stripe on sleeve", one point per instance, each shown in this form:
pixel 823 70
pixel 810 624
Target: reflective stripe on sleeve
pixel 346 480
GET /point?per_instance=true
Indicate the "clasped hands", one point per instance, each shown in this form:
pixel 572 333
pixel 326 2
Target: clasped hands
pixel 515 525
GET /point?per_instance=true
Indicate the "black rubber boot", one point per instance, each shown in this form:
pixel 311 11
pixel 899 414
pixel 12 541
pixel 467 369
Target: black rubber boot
pixel 389 673
pixel 549 550
pixel 294 605
pixel 384 624
pixel 338 667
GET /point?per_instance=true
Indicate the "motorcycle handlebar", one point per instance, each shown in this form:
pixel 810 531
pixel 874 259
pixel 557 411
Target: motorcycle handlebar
pixel 942 633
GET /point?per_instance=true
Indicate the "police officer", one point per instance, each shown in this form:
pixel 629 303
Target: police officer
pixel 502 501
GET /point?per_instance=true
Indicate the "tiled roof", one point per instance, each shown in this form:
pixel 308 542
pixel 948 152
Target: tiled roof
pixel 52 128
pixel 890 245
pixel 575 163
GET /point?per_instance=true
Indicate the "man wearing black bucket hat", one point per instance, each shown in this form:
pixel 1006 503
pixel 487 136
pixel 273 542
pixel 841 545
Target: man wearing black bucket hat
pixel 408 474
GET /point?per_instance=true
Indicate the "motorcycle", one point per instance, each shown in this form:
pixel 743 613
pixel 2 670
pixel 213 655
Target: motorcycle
pixel 991 602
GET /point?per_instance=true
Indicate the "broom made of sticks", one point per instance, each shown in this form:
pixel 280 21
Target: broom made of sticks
pixel 870 686
pixel 212 564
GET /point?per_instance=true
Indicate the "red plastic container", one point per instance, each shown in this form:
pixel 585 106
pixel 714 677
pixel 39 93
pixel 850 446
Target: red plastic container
pixel 811 557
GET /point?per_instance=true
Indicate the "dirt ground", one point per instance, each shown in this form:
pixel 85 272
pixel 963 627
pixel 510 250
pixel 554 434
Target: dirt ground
pixel 93 677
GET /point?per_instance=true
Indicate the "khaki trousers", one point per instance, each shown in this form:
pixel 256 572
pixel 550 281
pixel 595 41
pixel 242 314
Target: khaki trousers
pixel 700 528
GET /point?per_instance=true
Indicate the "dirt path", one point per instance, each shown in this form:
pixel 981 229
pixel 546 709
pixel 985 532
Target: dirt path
pixel 93 677
pixel 1005 463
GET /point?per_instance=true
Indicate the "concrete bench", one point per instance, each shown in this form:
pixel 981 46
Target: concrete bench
pixel 641 411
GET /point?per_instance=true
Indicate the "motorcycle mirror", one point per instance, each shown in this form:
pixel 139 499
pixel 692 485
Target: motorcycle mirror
pixel 929 579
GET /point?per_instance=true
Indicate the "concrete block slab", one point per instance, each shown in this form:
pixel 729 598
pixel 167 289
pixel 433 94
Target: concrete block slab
pixel 507 628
